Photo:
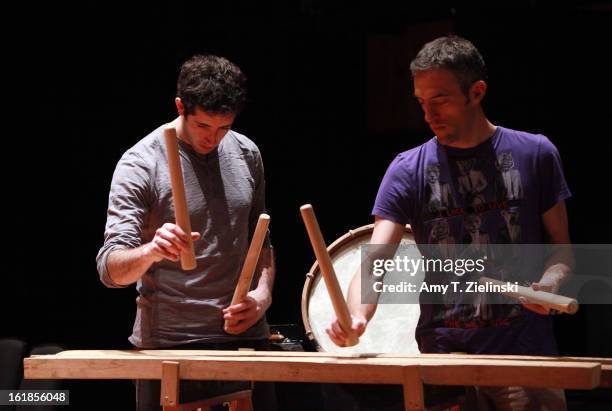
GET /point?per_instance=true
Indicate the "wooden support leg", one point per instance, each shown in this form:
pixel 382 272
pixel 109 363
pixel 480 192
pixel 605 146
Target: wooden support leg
pixel 413 389
pixel 170 386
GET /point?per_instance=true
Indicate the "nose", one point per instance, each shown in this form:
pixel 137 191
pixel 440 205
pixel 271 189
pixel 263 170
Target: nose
pixel 430 113
pixel 213 136
pixel 219 134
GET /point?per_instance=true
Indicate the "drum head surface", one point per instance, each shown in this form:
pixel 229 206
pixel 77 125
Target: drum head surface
pixel 391 330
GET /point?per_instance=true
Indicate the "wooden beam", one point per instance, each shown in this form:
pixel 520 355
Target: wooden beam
pixel 445 370
pixel 281 354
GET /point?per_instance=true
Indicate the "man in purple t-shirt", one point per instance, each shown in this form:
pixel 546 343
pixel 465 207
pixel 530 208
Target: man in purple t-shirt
pixel 473 184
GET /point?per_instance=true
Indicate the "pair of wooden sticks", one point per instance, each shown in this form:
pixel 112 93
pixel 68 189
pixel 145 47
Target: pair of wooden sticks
pixel 188 260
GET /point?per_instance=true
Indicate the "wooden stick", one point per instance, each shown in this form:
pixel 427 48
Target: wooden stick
pixel 188 261
pixel 250 263
pixel 329 275
pixel 549 300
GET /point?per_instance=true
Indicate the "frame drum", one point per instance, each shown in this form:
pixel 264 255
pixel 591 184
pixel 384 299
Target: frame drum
pixel 391 330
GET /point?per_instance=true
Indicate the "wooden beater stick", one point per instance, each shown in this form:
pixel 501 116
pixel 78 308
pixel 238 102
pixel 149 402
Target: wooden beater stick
pixel 250 263
pixel 329 275
pixel 188 261
pixel 549 300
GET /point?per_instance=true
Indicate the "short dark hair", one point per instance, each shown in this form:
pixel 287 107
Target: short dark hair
pixel 213 83
pixel 455 54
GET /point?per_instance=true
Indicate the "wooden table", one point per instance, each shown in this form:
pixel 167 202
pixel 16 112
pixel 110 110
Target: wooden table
pixel 411 371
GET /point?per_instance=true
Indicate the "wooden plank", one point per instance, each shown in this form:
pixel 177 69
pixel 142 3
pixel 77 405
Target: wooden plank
pixel 446 370
pixel 214 368
pixel 302 354
pixel 196 353
pixel 225 353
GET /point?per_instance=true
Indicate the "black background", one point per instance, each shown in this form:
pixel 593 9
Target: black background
pixel 87 82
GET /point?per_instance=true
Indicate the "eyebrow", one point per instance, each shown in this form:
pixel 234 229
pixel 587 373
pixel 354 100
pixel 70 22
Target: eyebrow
pixel 208 125
pixel 436 96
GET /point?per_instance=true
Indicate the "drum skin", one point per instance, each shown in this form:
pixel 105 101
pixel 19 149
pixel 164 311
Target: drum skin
pixel 391 330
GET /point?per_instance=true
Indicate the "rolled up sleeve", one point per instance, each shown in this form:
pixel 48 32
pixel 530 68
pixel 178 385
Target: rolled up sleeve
pixel 128 204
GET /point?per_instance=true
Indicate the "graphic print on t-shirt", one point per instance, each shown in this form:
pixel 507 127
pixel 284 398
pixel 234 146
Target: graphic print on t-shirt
pixel 508 184
pixel 437 194
pixel 441 237
pixel 472 183
pixel 510 233
pixel 477 239
pixel 463 215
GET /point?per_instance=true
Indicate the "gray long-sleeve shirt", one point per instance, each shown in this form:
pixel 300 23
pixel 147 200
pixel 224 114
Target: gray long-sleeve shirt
pixel 225 194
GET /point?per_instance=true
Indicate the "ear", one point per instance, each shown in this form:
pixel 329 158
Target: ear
pixel 478 91
pixel 179 106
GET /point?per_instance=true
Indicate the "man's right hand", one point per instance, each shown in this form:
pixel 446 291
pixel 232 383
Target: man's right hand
pixel 338 335
pixel 168 243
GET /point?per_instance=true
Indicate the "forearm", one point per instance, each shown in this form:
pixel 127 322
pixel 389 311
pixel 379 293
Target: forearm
pixel 560 262
pixel 383 244
pixel 266 270
pixel 356 308
pixel 126 266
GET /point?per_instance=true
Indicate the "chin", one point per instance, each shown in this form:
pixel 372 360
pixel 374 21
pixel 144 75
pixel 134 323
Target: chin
pixel 203 148
pixel 445 138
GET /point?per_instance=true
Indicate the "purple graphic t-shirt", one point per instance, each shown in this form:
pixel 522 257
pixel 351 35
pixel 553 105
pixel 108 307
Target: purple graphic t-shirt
pixel 494 193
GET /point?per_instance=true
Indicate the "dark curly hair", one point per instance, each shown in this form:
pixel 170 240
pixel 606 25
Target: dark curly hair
pixel 213 83
pixel 455 54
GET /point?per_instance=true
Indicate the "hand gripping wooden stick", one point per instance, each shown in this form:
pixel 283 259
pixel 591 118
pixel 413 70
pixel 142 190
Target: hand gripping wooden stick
pixel 250 263
pixel 546 299
pixel 188 261
pixel 329 275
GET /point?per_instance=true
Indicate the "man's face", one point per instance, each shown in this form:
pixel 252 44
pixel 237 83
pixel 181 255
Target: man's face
pixel 447 110
pixel 204 131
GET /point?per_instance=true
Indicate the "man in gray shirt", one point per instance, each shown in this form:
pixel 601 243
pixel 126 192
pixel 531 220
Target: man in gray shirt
pixel 225 189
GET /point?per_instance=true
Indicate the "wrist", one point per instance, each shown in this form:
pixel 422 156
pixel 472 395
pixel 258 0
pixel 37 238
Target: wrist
pixel 148 253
